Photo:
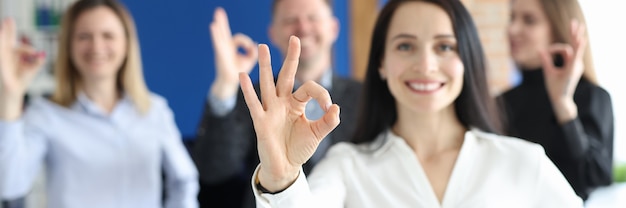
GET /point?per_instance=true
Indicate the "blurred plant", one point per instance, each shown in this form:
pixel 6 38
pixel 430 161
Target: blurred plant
pixel 619 173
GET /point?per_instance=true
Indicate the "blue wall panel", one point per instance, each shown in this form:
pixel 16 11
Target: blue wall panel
pixel 177 51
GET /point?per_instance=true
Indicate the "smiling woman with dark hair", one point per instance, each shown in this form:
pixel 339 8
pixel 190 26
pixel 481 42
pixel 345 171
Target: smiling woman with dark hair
pixel 427 132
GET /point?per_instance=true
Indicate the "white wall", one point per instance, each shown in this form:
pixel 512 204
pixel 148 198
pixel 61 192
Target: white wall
pixel 606 21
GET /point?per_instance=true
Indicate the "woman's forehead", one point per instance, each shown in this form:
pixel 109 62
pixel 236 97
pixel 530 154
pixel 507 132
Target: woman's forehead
pixel 421 19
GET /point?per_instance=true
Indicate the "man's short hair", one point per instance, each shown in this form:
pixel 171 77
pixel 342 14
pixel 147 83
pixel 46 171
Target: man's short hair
pixel 275 3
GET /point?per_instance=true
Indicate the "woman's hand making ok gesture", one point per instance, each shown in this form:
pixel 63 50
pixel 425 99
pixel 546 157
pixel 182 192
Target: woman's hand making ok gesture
pixel 286 138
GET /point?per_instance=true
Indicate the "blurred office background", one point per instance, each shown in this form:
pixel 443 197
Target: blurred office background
pixel 178 57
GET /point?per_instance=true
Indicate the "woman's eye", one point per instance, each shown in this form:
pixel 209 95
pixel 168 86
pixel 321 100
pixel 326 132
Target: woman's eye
pixel 405 47
pixel 83 37
pixel 528 20
pixel 446 47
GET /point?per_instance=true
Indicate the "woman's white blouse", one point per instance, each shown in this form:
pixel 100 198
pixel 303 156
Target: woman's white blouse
pixel 491 171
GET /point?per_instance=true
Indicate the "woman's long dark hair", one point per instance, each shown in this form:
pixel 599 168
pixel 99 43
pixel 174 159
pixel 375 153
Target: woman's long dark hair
pixel 474 106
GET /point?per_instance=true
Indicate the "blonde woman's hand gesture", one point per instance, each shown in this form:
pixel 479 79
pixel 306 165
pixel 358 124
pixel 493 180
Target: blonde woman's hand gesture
pixel 18 66
pixel 561 81
pixel 286 138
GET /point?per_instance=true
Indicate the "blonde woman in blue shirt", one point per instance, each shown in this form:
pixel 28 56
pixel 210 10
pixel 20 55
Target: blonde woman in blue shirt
pixel 105 139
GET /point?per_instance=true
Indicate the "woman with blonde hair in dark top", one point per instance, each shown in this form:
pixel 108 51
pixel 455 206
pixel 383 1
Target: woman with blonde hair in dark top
pixel 559 103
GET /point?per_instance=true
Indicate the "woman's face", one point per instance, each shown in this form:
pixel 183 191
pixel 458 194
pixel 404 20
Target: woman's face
pixel 421 66
pixel 98 44
pixel 528 31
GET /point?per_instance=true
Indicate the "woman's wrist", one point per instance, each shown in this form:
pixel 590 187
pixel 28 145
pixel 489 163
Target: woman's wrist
pixel 275 183
pixel 224 89
pixel 565 110
pixel 10 108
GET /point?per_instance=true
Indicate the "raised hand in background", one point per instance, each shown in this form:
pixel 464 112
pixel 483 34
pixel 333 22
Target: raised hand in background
pixel 228 60
pixel 19 64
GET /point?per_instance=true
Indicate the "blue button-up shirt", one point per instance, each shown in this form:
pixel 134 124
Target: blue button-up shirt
pixel 95 159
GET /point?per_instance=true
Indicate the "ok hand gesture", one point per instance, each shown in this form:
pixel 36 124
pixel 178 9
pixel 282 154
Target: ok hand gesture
pixel 18 66
pixel 228 61
pixel 561 81
pixel 286 138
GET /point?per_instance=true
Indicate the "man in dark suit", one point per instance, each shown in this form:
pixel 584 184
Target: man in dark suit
pixel 225 150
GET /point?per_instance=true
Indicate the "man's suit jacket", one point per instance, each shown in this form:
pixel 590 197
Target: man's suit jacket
pixel 225 150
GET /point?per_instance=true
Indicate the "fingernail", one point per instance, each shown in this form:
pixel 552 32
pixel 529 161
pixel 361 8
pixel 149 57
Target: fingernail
pixel 328 106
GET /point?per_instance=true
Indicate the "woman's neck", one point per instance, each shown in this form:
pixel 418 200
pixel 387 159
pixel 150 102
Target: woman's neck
pixel 430 134
pixel 103 93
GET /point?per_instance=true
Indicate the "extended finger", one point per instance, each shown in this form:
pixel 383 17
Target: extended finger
pixel 221 19
pixel 2 31
pixel 287 73
pixel 10 33
pixel 580 43
pixel 3 45
pixel 266 77
pixel 250 96
pixel 575 30
pixel 313 90
pixel 220 32
pixel 221 43
pixel 6 42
